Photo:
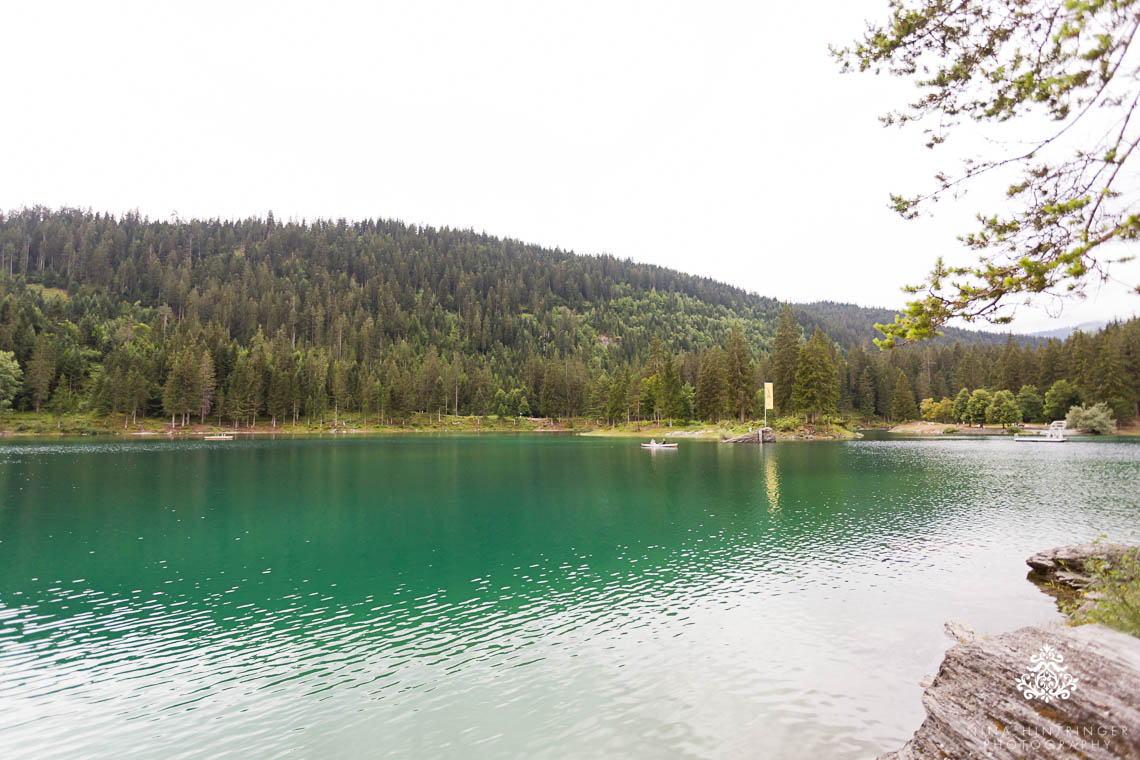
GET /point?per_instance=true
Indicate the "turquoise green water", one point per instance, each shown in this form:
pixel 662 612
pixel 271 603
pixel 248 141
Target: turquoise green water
pixel 514 596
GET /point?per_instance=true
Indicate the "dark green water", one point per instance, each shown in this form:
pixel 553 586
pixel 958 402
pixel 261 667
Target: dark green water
pixel 514 596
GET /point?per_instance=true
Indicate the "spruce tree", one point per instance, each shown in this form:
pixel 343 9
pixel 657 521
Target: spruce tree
pixel 710 388
pixel 41 370
pixel 205 384
pixel 785 355
pixel 739 379
pixel 903 407
pixel 816 388
pixel 865 395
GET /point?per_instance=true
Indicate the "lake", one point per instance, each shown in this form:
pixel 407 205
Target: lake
pixel 501 596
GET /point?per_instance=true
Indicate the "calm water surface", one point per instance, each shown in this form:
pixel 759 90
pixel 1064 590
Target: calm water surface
pixel 514 596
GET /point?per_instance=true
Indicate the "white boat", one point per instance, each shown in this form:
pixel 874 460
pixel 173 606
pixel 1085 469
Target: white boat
pixel 1055 434
pixel 217 438
pixel 658 445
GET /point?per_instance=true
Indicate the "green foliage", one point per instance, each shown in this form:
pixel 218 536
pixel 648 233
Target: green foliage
pixel 709 400
pixel 1003 409
pixel 938 411
pixel 378 321
pixel 739 378
pixel 1069 191
pixel 1114 594
pixel 785 355
pixel 1031 403
pixel 1095 419
pixel 979 402
pixel 1060 398
pixel 786 424
pixel 816 390
pixel 10 377
pixel 903 407
pixel 961 403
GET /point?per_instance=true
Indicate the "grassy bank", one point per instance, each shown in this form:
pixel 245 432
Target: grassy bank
pixel 721 430
pixel 47 424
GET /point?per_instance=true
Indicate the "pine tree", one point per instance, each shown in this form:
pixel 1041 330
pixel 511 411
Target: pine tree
pixel 709 400
pixel 137 393
pixel 1109 380
pixel 41 370
pixel 739 379
pixel 785 355
pixel 619 393
pixel 903 407
pixel 865 393
pixel 816 389
pixel 671 399
pixel 205 384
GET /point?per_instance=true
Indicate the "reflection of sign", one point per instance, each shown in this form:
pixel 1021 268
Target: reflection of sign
pixel 1046 679
pixel 772 482
pixel 768 396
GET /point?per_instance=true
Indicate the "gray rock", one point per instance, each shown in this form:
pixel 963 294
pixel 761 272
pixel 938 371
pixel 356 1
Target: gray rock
pixel 959 631
pixel 1069 566
pixel 763 435
pixel 974 708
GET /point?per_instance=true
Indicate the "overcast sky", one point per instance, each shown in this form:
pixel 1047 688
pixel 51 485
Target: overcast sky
pixel 715 138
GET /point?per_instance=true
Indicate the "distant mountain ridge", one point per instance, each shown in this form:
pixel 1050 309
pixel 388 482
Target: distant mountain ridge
pixel 848 323
pixel 1063 332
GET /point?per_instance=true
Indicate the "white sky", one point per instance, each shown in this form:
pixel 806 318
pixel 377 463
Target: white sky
pixel 716 138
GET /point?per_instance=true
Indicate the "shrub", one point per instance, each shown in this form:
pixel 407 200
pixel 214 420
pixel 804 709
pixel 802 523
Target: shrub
pixel 1095 419
pixel 1115 592
pixel 786 424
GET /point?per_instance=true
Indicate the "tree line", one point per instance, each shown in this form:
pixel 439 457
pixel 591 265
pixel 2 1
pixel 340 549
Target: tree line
pixel 240 322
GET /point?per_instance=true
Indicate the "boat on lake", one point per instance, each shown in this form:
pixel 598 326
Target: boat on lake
pixel 221 437
pixel 655 445
pixel 1055 434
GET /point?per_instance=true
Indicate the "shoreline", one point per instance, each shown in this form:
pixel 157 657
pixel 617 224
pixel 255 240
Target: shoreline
pixel 29 425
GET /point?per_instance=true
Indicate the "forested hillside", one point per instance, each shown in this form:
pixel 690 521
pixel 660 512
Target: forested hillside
pixel 235 321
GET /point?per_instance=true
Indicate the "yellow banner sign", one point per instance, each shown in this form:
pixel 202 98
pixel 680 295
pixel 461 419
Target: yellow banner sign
pixel 768 403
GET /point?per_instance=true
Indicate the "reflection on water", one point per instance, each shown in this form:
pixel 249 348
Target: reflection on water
pixel 506 597
pixel 772 483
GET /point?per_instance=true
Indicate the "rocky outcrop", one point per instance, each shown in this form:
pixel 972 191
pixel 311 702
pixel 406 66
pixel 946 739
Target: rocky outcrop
pixel 763 435
pixel 1033 693
pixel 1071 566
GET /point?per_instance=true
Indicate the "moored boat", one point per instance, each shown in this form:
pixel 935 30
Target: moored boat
pixel 1055 434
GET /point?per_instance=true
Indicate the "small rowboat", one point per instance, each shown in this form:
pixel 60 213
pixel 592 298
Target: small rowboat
pixel 658 445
